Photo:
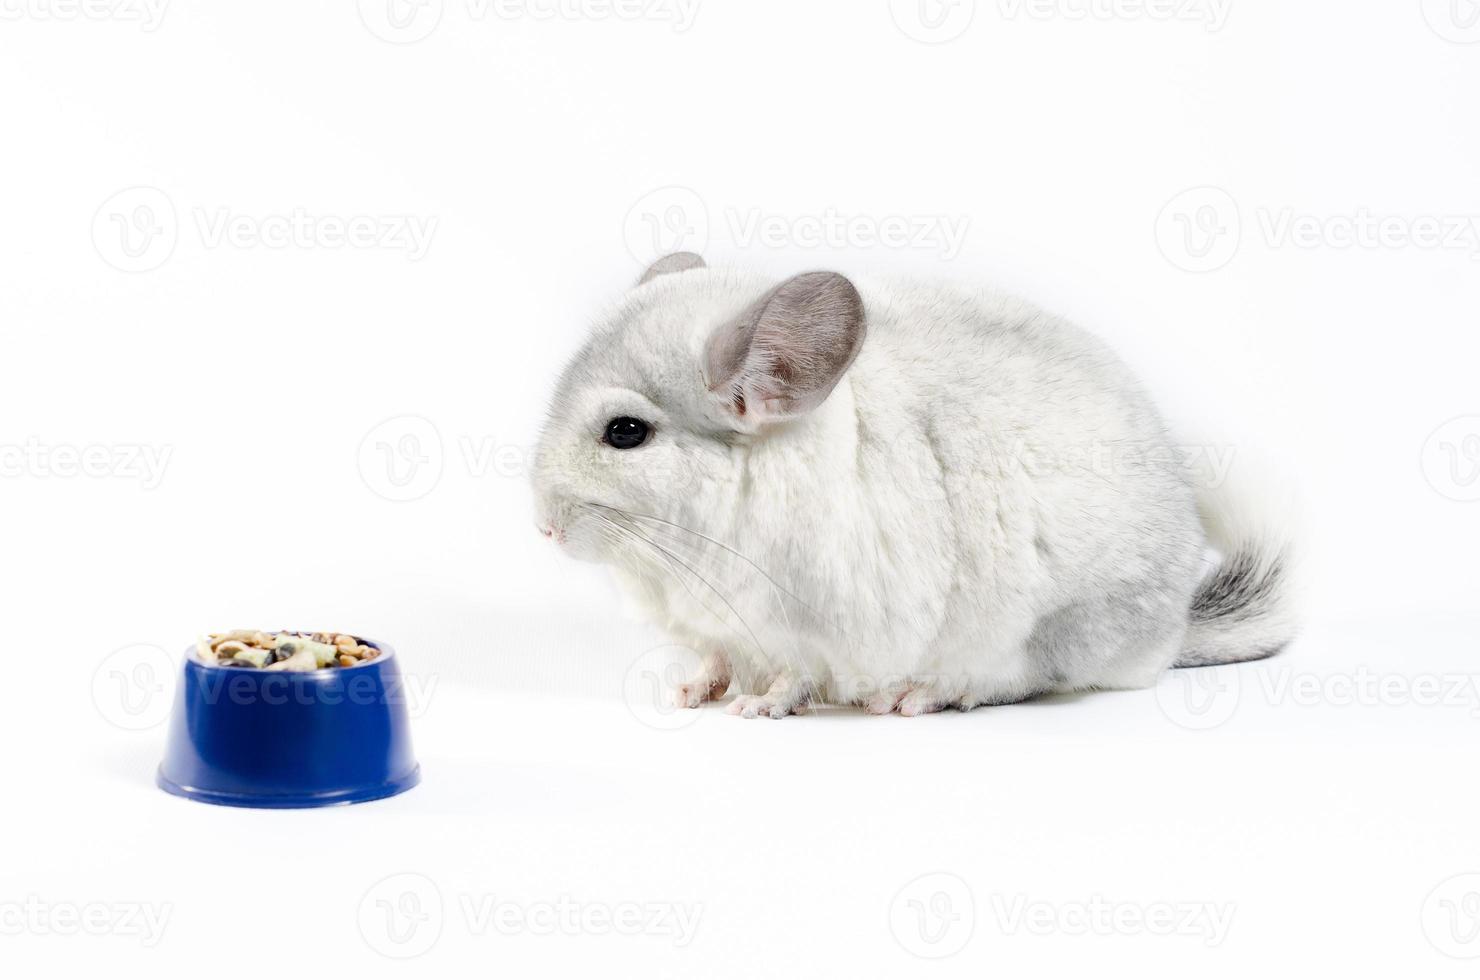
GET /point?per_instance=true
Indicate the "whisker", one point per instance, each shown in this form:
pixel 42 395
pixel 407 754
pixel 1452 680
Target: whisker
pixel 793 657
pixel 698 575
pixel 669 558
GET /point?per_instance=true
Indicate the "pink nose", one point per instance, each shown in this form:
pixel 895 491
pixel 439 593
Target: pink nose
pixel 547 531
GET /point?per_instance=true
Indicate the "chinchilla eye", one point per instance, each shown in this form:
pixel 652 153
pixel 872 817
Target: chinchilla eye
pixel 626 433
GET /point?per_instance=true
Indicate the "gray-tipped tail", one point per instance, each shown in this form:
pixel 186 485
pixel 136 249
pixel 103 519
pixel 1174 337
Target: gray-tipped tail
pixel 1243 609
pixel 1239 612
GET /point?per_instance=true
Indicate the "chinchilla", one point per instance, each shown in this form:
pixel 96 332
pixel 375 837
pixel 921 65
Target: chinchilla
pixel 903 496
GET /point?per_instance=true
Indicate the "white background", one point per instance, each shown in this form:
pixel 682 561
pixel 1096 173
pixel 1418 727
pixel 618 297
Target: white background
pixel 1139 172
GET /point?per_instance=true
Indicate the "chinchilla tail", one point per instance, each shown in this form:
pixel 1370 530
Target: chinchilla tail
pixel 1244 608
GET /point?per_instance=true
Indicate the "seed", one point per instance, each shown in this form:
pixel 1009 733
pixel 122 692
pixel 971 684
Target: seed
pixel 308 651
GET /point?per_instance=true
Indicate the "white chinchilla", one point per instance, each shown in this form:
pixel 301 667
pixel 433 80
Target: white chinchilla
pixel 907 497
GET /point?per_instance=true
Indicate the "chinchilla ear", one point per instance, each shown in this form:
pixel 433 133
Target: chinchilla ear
pixel 783 356
pixel 677 262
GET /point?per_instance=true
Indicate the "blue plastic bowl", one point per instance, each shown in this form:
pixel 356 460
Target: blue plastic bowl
pixel 258 738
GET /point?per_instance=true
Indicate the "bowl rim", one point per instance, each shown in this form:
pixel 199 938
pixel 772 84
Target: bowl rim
pixel 387 652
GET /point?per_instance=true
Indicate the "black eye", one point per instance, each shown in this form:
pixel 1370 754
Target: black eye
pixel 626 433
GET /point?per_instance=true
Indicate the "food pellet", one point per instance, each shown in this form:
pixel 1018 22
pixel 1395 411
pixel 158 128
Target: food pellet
pixel 283 650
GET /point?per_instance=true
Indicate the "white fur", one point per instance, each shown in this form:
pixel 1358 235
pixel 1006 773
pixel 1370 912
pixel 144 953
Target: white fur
pixel 972 516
